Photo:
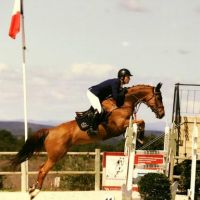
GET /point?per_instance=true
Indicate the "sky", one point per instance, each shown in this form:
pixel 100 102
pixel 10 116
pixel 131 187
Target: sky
pixel 72 45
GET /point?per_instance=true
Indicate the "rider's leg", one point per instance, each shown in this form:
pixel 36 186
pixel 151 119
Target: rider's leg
pixel 94 124
pixel 94 100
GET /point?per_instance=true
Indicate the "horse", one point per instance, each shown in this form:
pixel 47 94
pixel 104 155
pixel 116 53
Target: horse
pixel 58 140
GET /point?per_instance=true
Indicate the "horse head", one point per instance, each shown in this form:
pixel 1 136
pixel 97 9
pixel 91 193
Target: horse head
pixel 149 95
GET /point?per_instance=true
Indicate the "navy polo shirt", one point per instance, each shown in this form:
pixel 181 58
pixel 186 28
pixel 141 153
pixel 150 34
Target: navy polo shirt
pixel 108 88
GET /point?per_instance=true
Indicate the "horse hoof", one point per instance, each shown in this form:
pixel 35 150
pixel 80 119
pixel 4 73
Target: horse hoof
pixel 34 193
pixel 31 189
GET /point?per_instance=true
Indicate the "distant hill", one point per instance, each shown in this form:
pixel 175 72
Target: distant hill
pixel 17 128
pixel 155 126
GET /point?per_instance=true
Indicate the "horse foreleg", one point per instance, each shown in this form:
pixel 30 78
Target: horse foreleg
pixel 44 169
pixel 140 129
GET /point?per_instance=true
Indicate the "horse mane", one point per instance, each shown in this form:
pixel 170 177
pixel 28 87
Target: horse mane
pixel 140 85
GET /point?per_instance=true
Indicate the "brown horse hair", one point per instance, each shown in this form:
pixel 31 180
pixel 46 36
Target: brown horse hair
pixel 33 144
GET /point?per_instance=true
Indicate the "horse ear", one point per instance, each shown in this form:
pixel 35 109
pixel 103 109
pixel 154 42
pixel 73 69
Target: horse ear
pixel 159 85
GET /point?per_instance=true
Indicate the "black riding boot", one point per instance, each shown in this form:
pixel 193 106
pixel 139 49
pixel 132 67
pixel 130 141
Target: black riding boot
pixel 94 124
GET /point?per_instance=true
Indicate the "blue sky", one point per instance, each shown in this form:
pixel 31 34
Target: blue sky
pixel 72 45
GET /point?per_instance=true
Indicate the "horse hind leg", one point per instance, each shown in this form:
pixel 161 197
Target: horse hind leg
pixel 44 169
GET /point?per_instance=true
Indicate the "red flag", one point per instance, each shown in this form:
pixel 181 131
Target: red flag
pixel 15 20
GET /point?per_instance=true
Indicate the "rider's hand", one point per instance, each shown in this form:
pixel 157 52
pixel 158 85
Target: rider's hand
pixel 125 90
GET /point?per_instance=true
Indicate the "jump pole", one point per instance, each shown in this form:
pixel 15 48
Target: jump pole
pixel 166 149
pixel 191 191
pixel 129 150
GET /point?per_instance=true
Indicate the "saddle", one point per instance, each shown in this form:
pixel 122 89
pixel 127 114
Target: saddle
pixel 80 114
pixel 86 118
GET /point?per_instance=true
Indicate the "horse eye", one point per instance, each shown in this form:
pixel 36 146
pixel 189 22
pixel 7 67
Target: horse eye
pixel 159 98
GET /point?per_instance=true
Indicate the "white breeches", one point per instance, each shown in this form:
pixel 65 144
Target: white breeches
pixel 94 100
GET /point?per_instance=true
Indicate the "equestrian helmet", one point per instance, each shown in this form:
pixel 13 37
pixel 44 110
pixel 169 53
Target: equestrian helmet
pixel 124 72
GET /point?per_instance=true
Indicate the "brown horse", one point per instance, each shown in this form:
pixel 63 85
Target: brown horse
pixel 57 141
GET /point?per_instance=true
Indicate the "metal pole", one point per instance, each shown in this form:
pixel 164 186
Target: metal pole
pixel 24 166
pixel 176 118
pixel 174 104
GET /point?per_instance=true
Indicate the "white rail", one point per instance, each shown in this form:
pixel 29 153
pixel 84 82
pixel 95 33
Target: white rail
pixel 97 167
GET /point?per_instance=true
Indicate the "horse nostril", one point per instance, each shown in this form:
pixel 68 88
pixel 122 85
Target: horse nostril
pixel 163 114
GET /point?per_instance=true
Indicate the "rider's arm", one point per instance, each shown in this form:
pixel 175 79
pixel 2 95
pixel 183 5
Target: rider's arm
pixel 118 93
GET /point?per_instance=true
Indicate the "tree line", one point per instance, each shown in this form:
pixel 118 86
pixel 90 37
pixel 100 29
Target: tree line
pixel 11 142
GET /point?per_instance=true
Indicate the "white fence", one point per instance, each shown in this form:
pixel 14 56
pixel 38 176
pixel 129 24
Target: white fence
pixel 97 168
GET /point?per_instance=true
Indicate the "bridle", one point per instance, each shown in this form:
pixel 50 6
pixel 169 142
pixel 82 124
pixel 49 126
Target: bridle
pixel 141 100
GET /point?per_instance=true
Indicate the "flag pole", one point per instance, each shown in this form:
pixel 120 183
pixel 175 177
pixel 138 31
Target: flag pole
pixel 24 72
pixel 24 185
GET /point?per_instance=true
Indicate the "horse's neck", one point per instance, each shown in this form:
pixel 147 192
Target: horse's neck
pixel 136 94
pixel 133 97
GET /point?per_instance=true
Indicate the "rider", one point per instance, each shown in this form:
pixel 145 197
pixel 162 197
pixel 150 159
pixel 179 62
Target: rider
pixel 109 88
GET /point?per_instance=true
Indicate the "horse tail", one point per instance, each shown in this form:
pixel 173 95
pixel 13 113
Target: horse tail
pixel 33 144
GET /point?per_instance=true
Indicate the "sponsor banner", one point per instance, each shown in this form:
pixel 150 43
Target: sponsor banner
pixel 115 167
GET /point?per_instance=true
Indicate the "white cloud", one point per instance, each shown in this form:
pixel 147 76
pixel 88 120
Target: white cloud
pixel 89 70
